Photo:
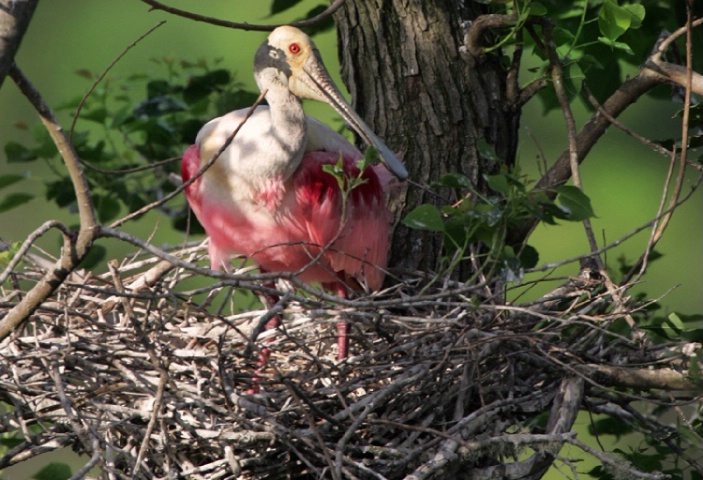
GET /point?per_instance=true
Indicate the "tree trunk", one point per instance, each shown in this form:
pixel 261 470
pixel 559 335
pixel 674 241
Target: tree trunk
pixel 412 79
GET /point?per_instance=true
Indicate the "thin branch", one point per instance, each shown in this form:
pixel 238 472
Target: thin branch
pixel 309 22
pixel 479 27
pixel 680 75
pixel 76 247
pixel 623 128
pixel 63 144
pixel 27 244
pixel 15 16
pixel 198 174
pixel 639 378
pixel 625 470
pixel 558 81
pixel 659 227
pixel 102 76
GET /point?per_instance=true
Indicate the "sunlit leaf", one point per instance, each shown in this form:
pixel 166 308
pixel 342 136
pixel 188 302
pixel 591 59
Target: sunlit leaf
pixel 675 321
pixel 613 20
pixel 637 13
pixel 617 45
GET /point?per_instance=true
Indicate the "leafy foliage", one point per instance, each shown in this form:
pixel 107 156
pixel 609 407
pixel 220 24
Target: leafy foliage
pixel 128 125
pixel 486 219
pixel 596 40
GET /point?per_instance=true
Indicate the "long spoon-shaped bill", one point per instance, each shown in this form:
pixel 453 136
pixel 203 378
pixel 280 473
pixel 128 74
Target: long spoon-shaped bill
pixel 320 86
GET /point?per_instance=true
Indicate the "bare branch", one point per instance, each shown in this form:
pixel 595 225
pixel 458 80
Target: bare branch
pixel 15 16
pixel 640 378
pixel 75 248
pixel 558 82
pixel 102 76
pixel 309 22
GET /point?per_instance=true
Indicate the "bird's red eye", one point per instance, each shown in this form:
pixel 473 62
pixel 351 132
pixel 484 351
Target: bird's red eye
pixel 294 48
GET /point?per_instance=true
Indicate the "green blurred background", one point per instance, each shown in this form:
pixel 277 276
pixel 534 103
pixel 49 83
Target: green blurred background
pixel 623 178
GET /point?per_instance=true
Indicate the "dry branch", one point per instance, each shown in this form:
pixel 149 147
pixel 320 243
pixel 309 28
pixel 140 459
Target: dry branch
pixel 146 376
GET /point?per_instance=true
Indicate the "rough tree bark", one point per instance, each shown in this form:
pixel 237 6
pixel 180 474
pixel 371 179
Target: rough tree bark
pixel 14 20
pixel 428 97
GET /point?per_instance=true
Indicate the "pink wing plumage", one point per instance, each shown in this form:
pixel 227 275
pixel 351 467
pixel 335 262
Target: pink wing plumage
pixel 308 230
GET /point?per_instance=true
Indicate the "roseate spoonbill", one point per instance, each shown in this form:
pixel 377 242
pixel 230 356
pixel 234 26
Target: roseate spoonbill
pixel 267 197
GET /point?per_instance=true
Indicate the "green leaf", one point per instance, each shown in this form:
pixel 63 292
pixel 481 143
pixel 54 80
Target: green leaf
pixel 11 442
pixel 562 36
pixel 529 256
pixel 486 150
pixel 229 101
pixel 157 88
pixel 107 207
pixel 617 45
pixel 371 157
pixel 97 115
pixel 637 13
pixel 324 25
pixel 575 203
pixel 54 471
pixel 10 179
pixel 609 426
pixel 156 107
pixel 61 192
pixel 538 9
pixel 201 86
pixel 675 322
pixel 14 200
pixel 454 180
pixel 425 217
pixel 573 78
pixel 614 20
pixel 17 153
pixel 279 6
pixel 498 183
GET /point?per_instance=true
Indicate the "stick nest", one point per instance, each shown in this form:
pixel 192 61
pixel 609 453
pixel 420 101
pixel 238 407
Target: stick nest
pixel 146 370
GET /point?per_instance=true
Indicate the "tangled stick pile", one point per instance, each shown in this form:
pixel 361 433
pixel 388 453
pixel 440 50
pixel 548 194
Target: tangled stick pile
pixel 147 374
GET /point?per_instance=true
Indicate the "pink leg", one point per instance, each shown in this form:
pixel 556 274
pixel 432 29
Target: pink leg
pixel 342 325
pixel 269 301
pixel 342 339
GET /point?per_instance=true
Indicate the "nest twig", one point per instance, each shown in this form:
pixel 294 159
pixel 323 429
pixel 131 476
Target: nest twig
pixel 148 375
